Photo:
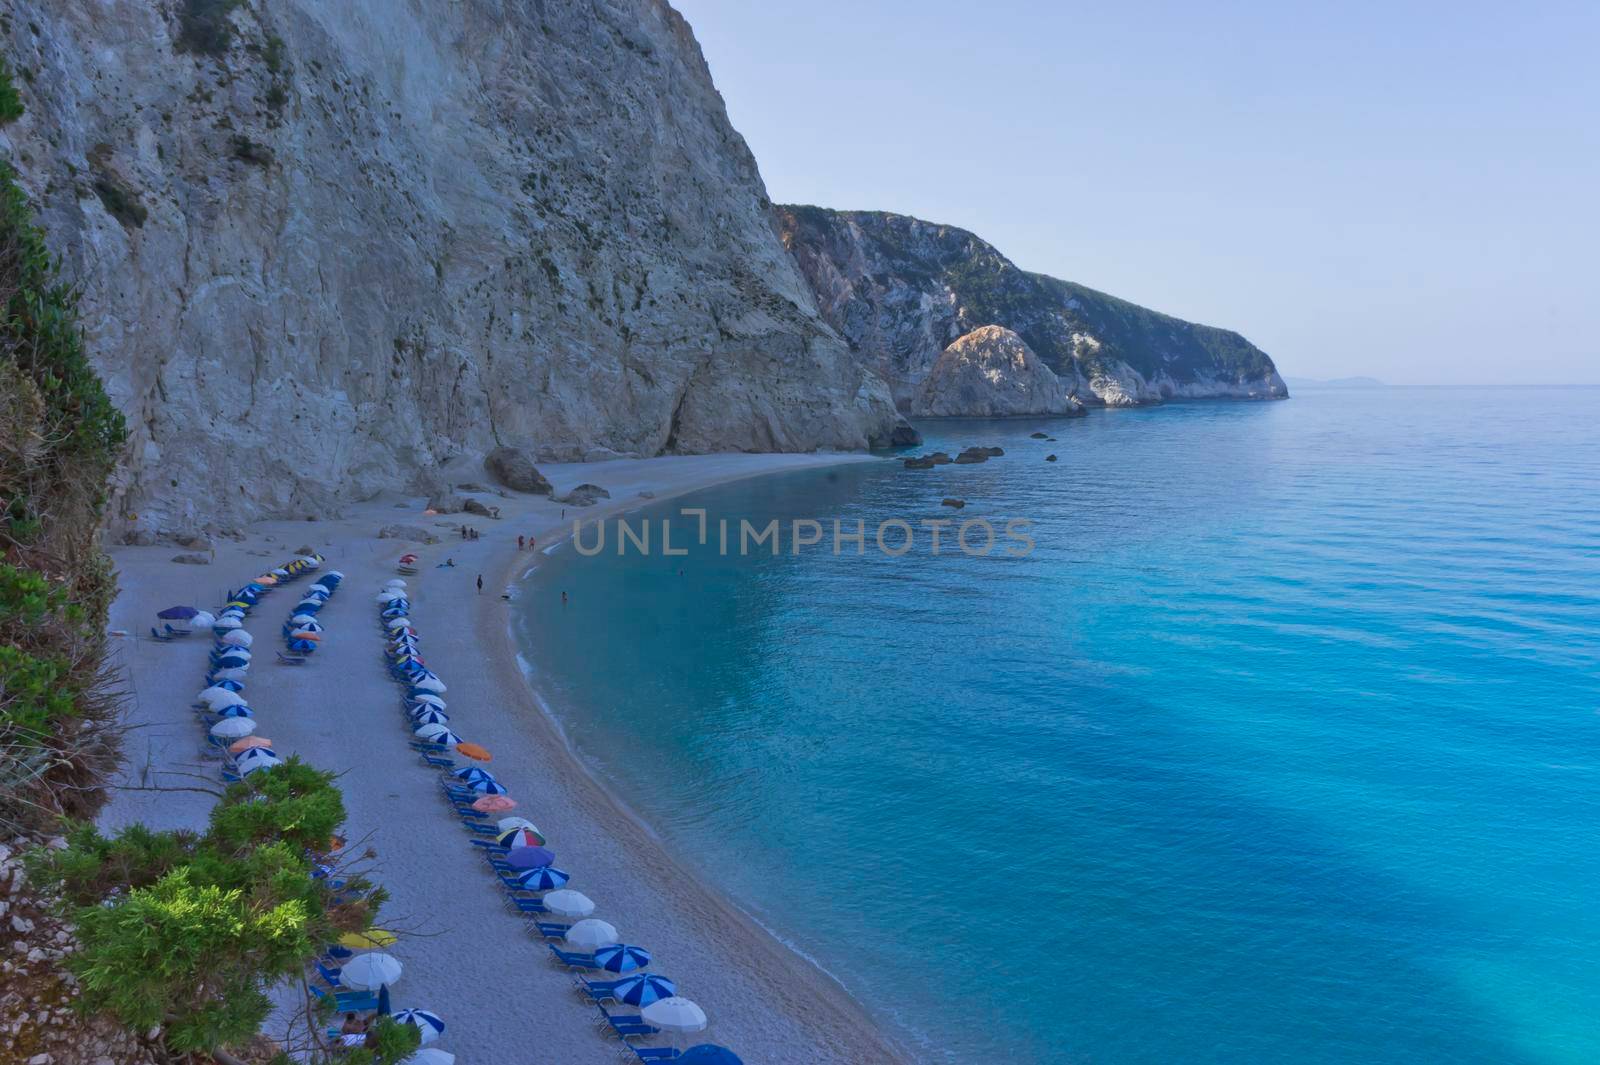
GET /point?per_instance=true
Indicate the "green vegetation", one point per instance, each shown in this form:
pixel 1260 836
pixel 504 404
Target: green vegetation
pixel 185 931
pixel 248 151
pixel 204 28
pixel 59 441
pixel 10 103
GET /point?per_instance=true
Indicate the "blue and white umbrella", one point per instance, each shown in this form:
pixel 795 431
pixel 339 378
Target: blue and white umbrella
pixel 236 710
pixel 429 715
pixel 246 768
pixel 428 699
pixel 429 682
pixel 256 754
pixel 644 989
pixel 440 734
pixel 621 958
pixel 489 787
pixel 473 775
pixel 429 1024
pixel 545 878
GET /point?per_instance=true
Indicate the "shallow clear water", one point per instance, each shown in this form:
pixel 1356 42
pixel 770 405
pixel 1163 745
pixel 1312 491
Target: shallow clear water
pixel 1282 746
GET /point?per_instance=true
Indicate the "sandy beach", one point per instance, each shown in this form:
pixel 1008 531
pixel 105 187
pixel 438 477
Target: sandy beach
pixel 467 958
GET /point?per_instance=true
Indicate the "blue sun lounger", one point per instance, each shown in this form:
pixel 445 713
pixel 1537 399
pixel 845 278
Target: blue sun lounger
pixel 573 959
pixel 551 929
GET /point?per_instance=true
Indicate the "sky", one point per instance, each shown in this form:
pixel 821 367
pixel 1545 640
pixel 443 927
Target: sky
pixel 1409 191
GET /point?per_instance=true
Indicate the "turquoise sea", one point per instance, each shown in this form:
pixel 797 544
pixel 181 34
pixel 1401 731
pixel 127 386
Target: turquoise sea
pixel 1283 745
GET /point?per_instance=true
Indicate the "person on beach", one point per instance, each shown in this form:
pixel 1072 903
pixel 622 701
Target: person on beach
pixel 519 543
pixel 480 584
pixel 353 1025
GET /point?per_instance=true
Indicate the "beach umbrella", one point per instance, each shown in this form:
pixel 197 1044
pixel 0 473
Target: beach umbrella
pixel 367 940
pixel 675 1015
pixel 178 613
pixel 239 710
pixel 240 746
pixel 521 836
pixel 245 769
pixel 231 662
pixel 279 572
pixel 229 685
pixel 231 728
pixel 430 683
pixel 568 903
pixel 506 824
pixel 429 699
pixel 309 625
pixel 333 577
pixel 643 989
pixel 427 1023
pixel 529 857
pixel 203 620
pixel 256 755
pixel 217 697
pixel 367 972
pixel 621 958
pixel 387 597
pixel 400 622
pixel 227 621
pixel 544 878
pixel 471 774
pixel 440 734
pixel 494 804
pixel 323 588
pixel 430 1056
pixel 236 638
pixel 708 1054
pixel 428 715
pixel 590 935
pixel 234 673
pixel 309 635
pixel 302 646
pixel 303 619
pixel 223 650
pixel 489 787
pixel 266 580
pixel 474 751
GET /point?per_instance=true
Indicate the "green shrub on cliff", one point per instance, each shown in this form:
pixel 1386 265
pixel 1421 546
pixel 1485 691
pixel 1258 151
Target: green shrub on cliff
pixel 184 931
pixel 59 440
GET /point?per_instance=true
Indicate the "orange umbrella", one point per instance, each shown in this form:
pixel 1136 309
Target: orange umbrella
pixel 302 634
pixel 248 742
pixel 493 804
pixel 473 751
pixel 267 579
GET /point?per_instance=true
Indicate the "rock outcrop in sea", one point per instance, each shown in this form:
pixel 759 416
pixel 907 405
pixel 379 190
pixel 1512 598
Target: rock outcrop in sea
pixel 991 373
pixel 901 290
pixel 326 248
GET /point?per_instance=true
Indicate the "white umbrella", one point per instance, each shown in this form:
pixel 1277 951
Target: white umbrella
pixel 236 638
pixel 237 673
pixel 310 560
pixel 506 824
pixel 323 588
pixel 233 728
pixel 368 972
pixel 433 731
pixel 674 1015
pixel 228 621
pixel 569 903
pixel 387 596
pixel 430 684
pixel 591 935
pixel 236 652
pixel 395 582
pixel 217 698
pixel 430 1056
pixel 203 620
pixel 336 575
pixel 431 700
pixel 400 622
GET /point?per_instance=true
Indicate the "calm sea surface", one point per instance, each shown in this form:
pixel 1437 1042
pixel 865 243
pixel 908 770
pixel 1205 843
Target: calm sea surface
pixel 1283 745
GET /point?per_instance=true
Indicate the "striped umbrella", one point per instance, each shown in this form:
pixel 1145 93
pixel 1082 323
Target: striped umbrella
pixel 323 588
pixel 307 626
pixel 544 878
pixel 489 787
pixel 256 755
pixel 530 857
pixel 430 683
pixel 506 824
pixel 232 673
pixel 427 1023
pixel 430 699
pixel 643 989
pixel 621 958
pixel 436 734
pixel 520 837
pixel 429 715
pixel 472 774
pixel 238 710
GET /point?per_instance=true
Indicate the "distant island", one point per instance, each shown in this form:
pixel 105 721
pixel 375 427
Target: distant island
pixel 1335 382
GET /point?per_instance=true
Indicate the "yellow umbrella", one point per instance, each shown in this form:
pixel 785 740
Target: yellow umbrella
pixel 368 940
pixel 248 742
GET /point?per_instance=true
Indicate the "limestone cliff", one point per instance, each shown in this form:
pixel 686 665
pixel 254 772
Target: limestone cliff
pixel 325 247
pixel 900 290
pixel 991 373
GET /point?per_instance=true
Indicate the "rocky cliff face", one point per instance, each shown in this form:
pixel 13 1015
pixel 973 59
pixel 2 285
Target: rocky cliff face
pixel 899 290
pixel 991 373
pixel 327 246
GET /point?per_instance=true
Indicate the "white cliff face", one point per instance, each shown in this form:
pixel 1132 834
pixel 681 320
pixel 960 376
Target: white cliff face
pixel 991 373
pixel 899 290
pixel 372 236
